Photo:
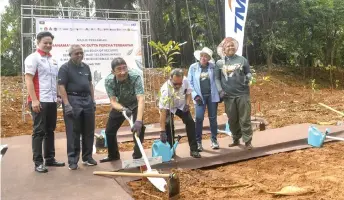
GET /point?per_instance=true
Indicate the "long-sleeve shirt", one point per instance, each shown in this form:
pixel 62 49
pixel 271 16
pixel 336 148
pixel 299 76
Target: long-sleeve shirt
pixel 230 76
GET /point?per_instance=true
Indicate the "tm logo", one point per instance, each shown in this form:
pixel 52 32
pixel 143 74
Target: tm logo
pixel 239 13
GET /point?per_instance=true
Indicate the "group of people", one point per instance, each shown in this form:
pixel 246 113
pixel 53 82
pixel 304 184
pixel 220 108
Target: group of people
pixel 205 86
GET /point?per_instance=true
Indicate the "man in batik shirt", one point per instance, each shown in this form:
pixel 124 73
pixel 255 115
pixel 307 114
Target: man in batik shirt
pixel 125 90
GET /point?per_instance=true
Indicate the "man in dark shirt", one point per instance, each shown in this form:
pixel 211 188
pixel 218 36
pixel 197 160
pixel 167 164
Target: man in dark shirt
pixel 125 90
pixel 76 89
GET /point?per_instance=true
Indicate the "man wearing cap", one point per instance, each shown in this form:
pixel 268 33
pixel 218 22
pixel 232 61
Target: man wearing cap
pixel 76 88
pixel 41 78
pixel 201 77
pixel 175 97
pixel 125 90
pixel 232 76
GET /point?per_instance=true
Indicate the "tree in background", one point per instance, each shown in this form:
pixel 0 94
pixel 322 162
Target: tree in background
pixel 300 34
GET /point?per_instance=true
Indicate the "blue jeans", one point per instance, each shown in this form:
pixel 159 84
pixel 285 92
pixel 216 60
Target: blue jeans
pixel 212 114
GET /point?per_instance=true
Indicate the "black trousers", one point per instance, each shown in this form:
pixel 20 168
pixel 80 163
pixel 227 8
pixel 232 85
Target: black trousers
pixel 44 124
pixel 114 122
pixel 189 126
pixel 81 123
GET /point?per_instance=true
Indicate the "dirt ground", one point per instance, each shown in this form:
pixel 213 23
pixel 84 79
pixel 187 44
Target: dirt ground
pixel 282 98
pixel 318 171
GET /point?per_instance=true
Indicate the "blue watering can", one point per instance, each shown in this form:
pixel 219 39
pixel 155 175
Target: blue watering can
pixel 164 149
pixel 316 138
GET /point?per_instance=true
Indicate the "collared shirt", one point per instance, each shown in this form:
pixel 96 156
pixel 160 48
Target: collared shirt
pixel 75 78
pixel 172 99
pixel 125 91
pixel 44 69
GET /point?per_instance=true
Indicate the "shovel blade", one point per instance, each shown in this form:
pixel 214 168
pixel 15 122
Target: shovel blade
pixel 159 183
pixel 173 187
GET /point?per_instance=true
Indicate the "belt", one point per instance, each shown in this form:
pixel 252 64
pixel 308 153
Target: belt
pixel 80 94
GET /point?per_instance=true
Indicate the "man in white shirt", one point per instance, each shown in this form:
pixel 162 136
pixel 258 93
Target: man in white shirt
pixel 41 79
pixel 175 97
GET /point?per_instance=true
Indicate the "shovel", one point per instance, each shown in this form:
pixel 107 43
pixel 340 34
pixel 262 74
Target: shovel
pixel 159 183
pixel 173 180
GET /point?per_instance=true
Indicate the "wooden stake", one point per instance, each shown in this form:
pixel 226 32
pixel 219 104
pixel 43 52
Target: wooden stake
pixel 328 107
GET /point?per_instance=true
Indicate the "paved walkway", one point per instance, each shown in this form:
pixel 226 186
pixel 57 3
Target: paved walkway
pixel 20 182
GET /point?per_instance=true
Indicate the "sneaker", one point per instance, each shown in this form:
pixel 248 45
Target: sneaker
pixel 235 143
pixel 248 146
pixel 41 169
pixel 73 167
pixel 215 144
pixel 90 162
pixel 199 147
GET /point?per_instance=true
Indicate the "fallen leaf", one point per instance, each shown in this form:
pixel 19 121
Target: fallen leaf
pixel 332 122
pixel 293 191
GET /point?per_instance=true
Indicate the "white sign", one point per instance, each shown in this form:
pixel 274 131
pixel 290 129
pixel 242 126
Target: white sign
pixel 102 41
pixel 235 14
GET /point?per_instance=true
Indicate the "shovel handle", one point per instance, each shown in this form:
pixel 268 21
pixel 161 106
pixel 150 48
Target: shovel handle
pixel 328 107
pixel 132 174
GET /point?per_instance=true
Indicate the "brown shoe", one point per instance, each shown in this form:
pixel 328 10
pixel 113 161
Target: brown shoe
pixel 235 143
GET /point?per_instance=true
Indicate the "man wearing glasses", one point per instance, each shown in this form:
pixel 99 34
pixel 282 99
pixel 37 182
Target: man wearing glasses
pixel 76 89
pixel 125 90
pixel 175 98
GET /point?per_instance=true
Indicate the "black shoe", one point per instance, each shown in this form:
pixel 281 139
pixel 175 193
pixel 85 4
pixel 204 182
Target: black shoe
pixel 41 169
pixel 55 164
pixel 235 143
pixel 195 154
pixel 108 159
pixel 248 145
pixel 136 156
pixel 199 147
pixel 73 167
pixel 90 162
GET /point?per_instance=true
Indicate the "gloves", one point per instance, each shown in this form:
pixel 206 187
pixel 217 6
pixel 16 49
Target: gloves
pixel 68 110
pixel 198 100
pixel 127 111
pixel 163 136
pixel 137 128
pixel 186 108
pixel 248 78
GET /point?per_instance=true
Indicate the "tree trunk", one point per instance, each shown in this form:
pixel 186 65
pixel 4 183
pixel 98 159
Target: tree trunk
pixel 221 14
pixel 155 8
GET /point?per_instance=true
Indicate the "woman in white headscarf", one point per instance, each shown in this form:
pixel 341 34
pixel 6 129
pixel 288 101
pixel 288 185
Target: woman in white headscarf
pixel 204 94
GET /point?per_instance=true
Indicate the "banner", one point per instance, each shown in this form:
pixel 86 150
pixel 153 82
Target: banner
pixel 235 14
pixel 102 41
